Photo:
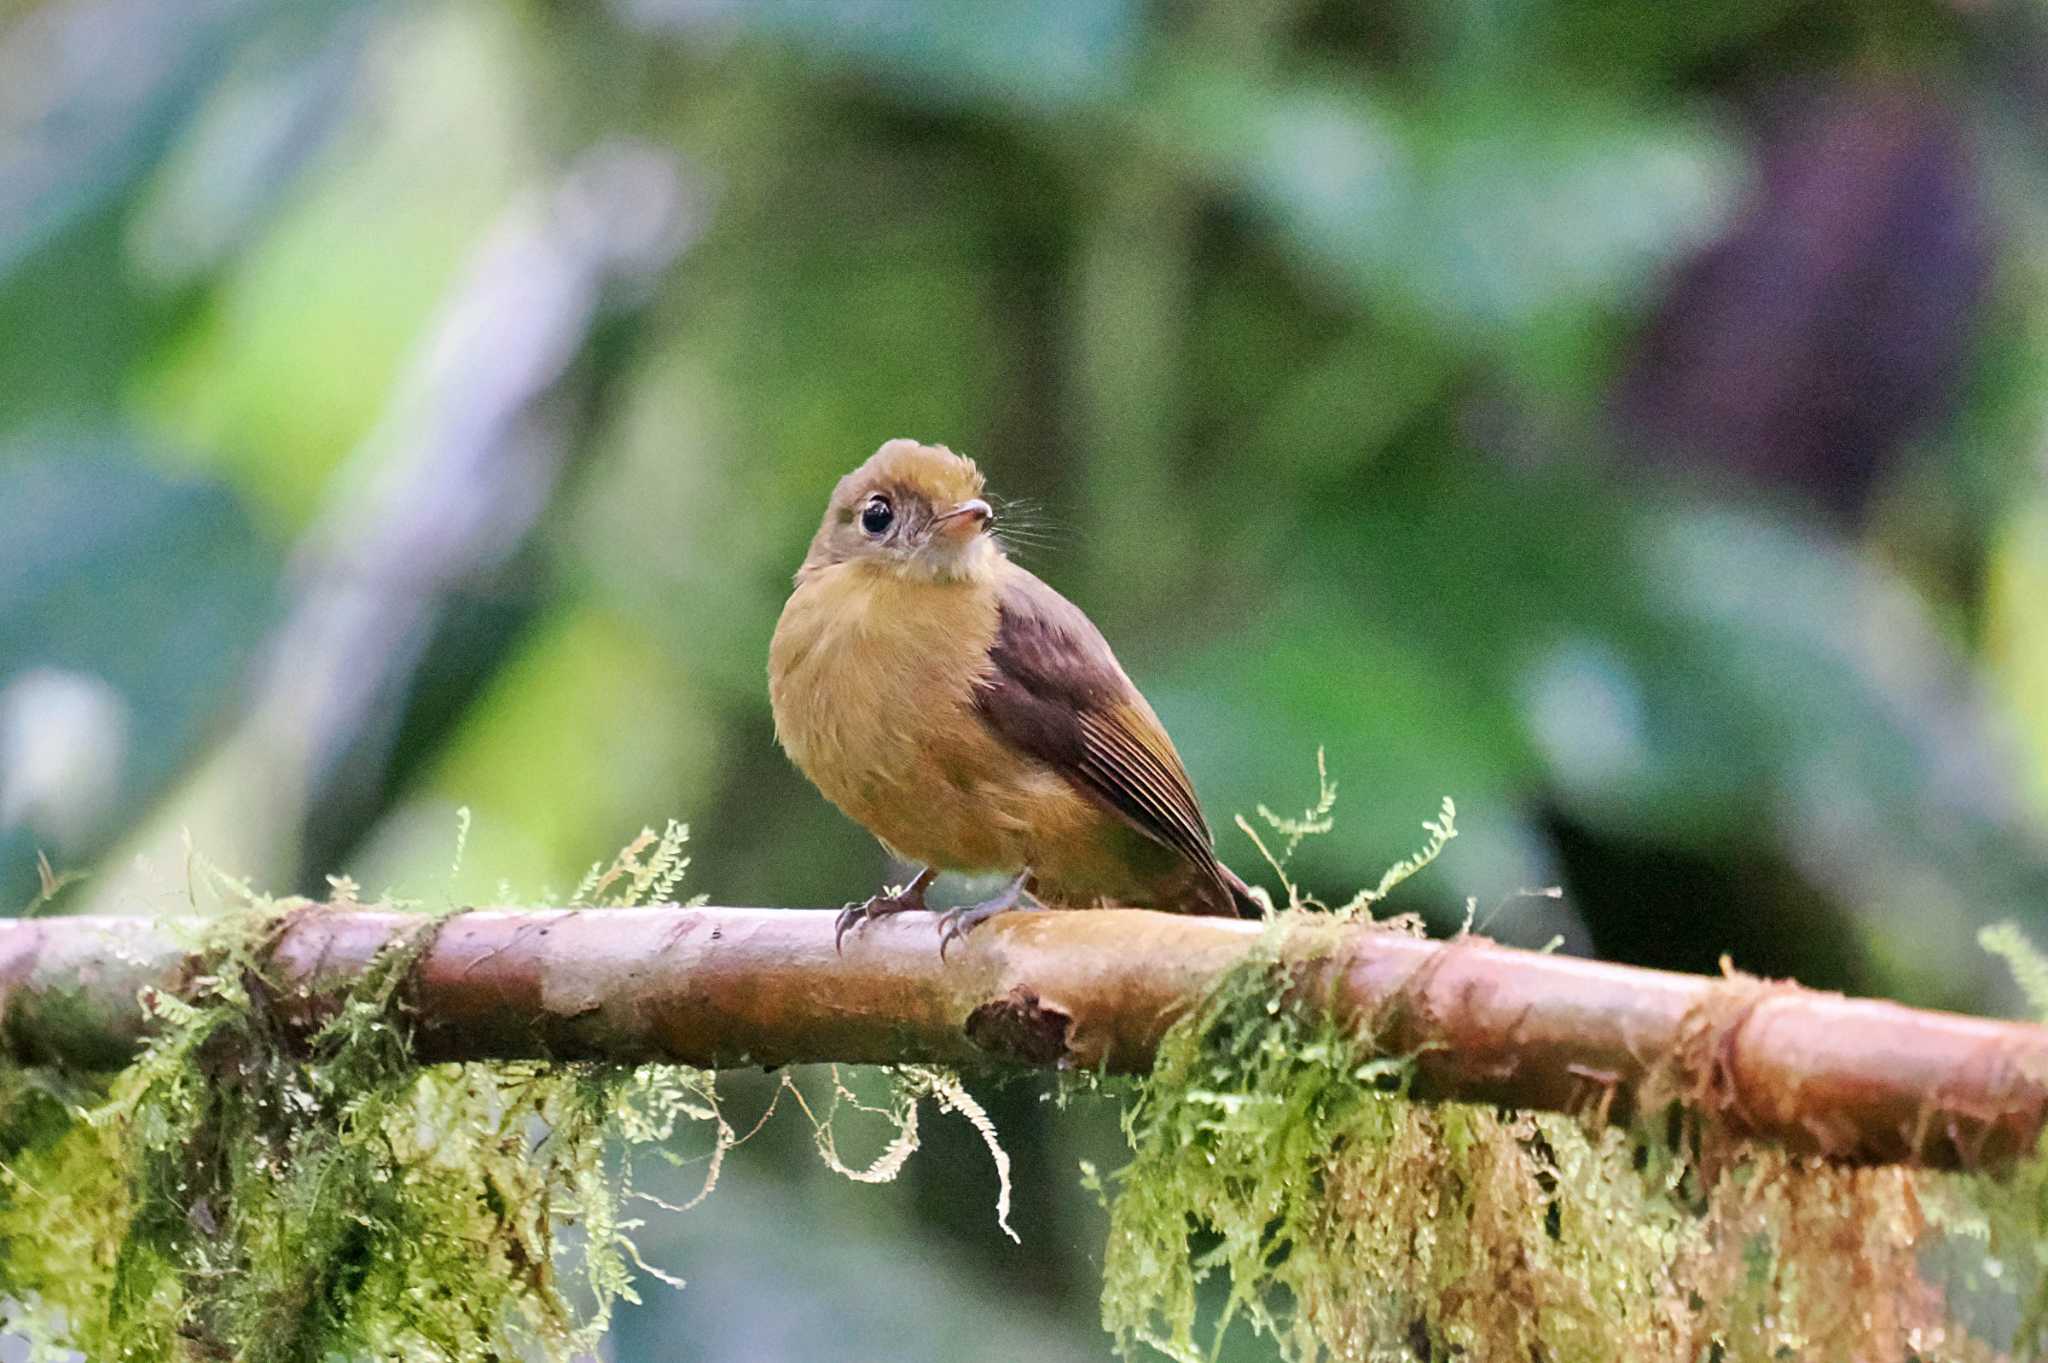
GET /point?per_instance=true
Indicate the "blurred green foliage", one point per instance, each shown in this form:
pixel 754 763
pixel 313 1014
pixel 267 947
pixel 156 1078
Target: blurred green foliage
pixel 1622 419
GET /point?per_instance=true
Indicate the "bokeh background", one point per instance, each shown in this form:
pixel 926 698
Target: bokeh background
pixel 1627 420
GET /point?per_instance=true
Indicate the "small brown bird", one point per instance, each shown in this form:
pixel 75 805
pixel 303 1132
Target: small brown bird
pixel 971 717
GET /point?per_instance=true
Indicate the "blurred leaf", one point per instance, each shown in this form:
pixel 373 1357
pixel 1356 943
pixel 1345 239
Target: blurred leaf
pixel 129 606
pixel 271 113
pixel 1402 729
pixel 1478 212
pixel 613 722
pixel 1038 57
pixel 74 331
pixel 1393 642
pixel 96 90
pixel 2017 633
pixel 1613 46
pixel 288 360
pixel 95 94
pixel 1698 679
pixel 1329 411
pixel 1864 739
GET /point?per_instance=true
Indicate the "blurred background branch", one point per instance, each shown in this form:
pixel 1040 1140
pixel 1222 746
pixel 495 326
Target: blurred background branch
pixel 414 566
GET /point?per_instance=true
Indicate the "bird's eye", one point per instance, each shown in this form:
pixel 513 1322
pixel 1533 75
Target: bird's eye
pixel 877 516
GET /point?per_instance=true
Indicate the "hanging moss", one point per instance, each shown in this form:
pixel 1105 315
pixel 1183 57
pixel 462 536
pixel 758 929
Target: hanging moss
pixel 1281 1181
pixel 251 1190
pixel 243 1191
pixel 247 1190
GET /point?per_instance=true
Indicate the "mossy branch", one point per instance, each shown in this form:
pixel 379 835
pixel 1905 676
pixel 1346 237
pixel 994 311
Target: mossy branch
pixel 1855 1080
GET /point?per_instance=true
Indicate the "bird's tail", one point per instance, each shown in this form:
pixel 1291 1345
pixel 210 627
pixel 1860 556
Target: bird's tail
pixel 1242 901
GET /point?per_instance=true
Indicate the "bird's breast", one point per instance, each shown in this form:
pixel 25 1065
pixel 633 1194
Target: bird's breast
pixel 872 679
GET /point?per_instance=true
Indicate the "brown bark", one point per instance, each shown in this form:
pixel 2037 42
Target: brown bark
pixel 1851 1079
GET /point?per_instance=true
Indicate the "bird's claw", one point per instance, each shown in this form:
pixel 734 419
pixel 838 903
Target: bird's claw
pixel 955 924
pixel 910 899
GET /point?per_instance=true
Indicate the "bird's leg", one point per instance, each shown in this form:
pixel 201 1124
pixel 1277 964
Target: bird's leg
pixel 957 923
pixel 881 904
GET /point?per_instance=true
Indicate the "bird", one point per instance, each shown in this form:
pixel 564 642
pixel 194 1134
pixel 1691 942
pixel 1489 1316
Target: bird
pixel 972 718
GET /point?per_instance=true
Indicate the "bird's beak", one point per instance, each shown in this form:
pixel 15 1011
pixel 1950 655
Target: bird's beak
pixel 964 520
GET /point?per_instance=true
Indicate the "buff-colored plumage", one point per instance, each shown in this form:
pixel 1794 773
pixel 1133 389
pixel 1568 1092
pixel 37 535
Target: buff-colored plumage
pixel 966 714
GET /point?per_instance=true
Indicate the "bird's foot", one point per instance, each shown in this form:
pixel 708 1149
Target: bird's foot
pixel 957 923
pixel 909 899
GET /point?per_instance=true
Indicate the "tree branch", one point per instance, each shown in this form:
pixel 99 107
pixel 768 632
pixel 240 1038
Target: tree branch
pixel 1850 1079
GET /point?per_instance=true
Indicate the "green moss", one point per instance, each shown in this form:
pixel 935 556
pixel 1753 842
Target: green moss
pixel 252 1191
pixel 1282 1181
pixel 246 1190
pixel 66 1023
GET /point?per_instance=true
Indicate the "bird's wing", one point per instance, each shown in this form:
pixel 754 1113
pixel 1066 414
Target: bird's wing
pixel 1056 692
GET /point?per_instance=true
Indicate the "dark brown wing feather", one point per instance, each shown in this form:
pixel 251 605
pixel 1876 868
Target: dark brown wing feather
pixel 1055 691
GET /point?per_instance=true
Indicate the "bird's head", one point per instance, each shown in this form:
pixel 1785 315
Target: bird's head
pixel 913 509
